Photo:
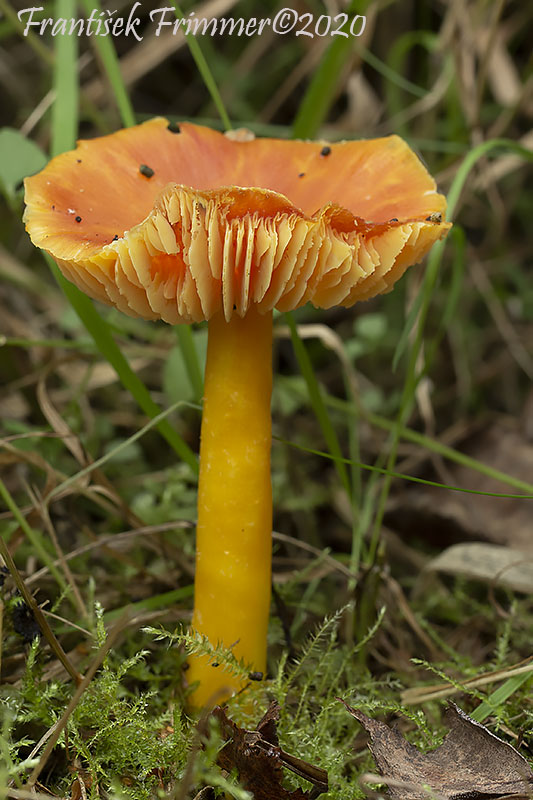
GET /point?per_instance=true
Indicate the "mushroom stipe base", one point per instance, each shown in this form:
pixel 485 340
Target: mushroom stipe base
pixel 234 533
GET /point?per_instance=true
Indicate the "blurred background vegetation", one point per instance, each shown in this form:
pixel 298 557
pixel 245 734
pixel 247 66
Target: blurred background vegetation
pixel 432 382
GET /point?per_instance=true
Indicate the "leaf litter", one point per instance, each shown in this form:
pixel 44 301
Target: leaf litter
pixel 470 763
pixel 258 759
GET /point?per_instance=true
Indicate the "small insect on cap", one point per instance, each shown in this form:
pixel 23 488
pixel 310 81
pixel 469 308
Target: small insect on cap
pixel 179 224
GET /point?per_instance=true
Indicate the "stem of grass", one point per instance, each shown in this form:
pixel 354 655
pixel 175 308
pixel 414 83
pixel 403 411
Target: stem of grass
pixel 317 401
pixel 111 64
pixel 205 72
pixel 320 93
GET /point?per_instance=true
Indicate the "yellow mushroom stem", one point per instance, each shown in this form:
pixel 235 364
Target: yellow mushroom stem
pixel 234 533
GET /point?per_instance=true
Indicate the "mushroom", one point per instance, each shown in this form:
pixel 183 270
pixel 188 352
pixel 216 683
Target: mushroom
pixel 187 224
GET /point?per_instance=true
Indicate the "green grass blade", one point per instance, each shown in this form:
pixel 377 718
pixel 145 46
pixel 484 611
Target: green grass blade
pixel 101 333
pixel 356 496
pixel 190 358
pixel 392 76
pixel 527 487
pixel 321 91
pixel 318 404
pixel 165 600
pixel 453 294
pixel 434 446
pixel 410 321
pixel 500 695
pixel 431 445
pixel 205 72
pixel 111 65
pixel 396 58
pixel 65 107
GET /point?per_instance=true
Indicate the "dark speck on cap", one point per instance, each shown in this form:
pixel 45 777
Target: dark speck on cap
pixel 78 219
pixel 146 171
pixel 173 127
pixel 301 174
pixel 326 150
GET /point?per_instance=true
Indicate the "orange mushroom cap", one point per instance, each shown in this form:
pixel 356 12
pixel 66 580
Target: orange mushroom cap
pixel 178 226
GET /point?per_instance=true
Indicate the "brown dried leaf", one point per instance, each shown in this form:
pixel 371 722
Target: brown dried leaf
pixel 471 761
pixel 487 562
pixel 258 759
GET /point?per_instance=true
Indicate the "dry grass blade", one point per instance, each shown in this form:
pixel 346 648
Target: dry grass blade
pixel 115 539
pixel 369 777
pixel 45 516
pixel 337 565
pixel 14 271
pixel 14 455
pixel 305 67
pixel 57 422
pixel 503 165
pixel 507 332
pixel 73 443
pixel 55 478
pixel 487 52
pixel 403 605
pixel 421 694
pixel 25 794
pixel 422 106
